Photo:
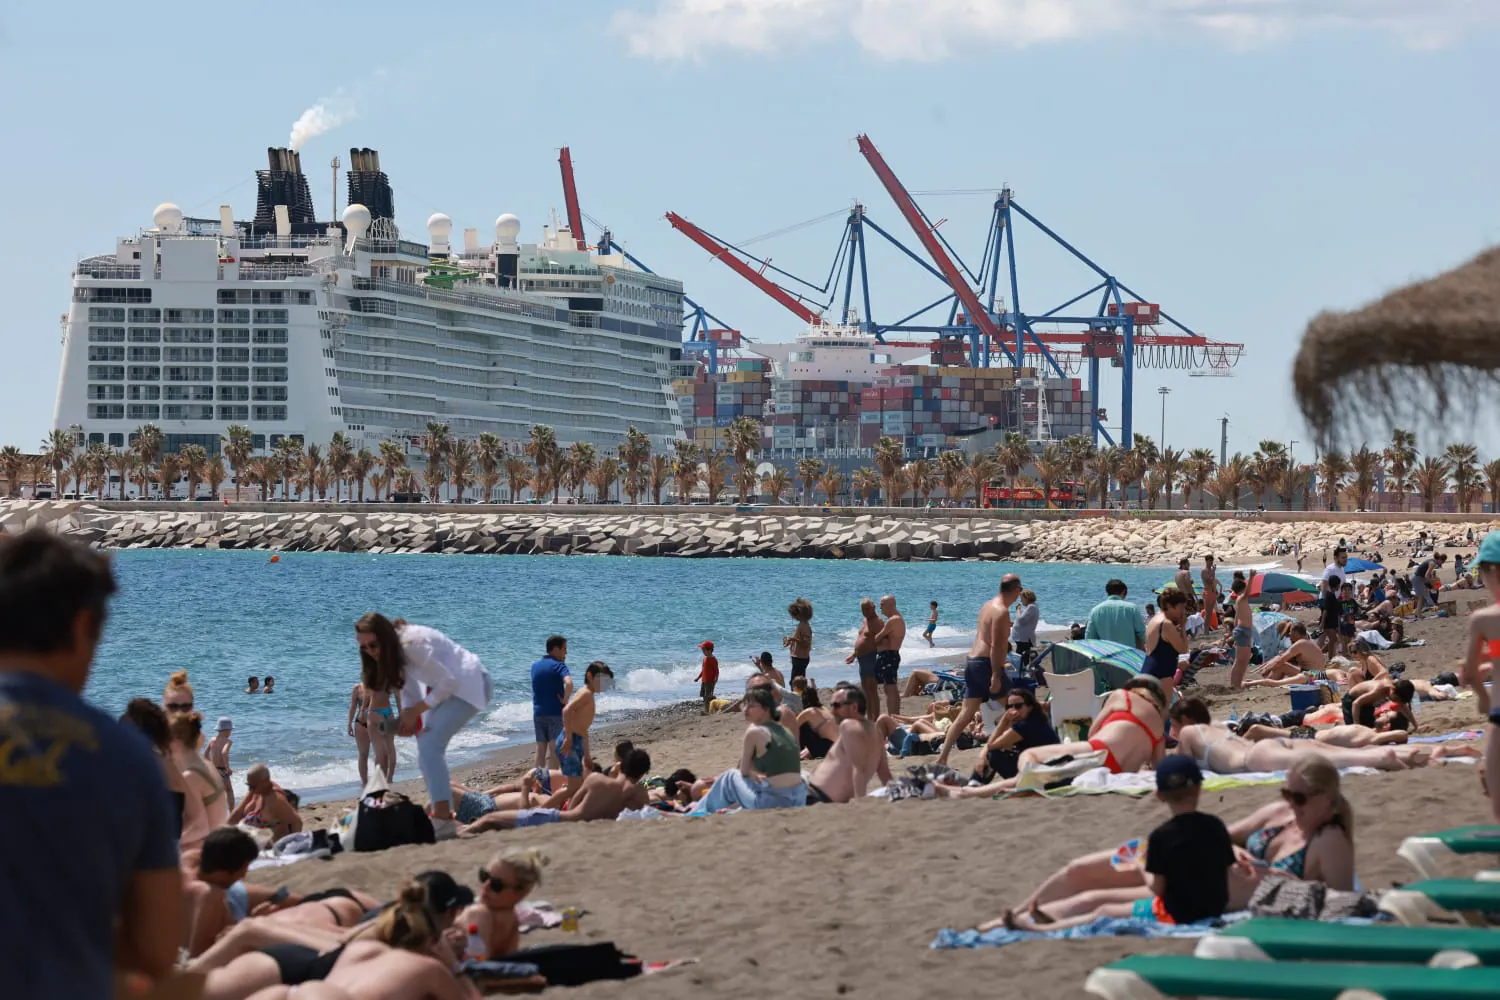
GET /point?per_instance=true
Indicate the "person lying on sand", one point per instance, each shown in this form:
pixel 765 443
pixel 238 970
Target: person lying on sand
pixel 917 680
pixel 1337 736
pixel 901 732
pixel 507 879
pixel 676 793
pixel 856 756
pixel 1364 701
pixel 599 797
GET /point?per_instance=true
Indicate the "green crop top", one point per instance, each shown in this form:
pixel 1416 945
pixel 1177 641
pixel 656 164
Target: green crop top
pixel 782 755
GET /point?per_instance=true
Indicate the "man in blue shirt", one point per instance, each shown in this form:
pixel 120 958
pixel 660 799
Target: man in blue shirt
pixel 1116 619
pixel 551 687
pixel 88 836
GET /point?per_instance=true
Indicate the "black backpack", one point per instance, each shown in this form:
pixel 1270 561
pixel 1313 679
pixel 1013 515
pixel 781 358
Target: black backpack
pixel 390 819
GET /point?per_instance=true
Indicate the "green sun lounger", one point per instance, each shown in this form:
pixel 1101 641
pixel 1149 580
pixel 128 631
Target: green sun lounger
pixel 1274 939
pixel 1444 899
pixel 1427 853
pixel 1148 977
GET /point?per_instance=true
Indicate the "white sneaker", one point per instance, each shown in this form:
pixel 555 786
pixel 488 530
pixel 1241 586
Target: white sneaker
pixel 444 829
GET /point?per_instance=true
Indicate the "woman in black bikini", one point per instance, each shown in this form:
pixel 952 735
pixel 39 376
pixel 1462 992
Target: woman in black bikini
pixel 816 728
pixel 359 729
pixel 1166 640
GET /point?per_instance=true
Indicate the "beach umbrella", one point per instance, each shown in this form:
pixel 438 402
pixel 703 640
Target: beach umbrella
pixel 1112 663
pixel 1406 357
pixel 1356 565
pixel 1282 588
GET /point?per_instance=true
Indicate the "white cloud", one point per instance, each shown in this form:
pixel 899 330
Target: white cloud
pixel 937 29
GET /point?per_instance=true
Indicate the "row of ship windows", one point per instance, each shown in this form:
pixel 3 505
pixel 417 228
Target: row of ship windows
pixel 190 393
pixel 153 373
pixel 232 355
pixel 190 411
pixel 110 314
pixel 257 441
pixel 263 296
pixel 187 335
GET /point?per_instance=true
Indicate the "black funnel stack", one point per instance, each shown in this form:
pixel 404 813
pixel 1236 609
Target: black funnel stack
pixel 369 186
pixel 283 184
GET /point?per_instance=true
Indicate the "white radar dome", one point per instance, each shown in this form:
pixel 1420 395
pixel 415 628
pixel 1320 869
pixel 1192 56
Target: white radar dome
pixel 507 228
pixel 356 224
pixel 168 217
pixel 439 227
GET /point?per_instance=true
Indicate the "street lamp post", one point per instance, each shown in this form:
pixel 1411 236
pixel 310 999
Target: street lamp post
pixel 1164 391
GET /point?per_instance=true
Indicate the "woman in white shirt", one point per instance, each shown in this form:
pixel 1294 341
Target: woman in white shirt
pixel 435 676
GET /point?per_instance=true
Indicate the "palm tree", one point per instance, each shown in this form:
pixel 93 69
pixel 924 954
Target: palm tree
pixel 542 449
pixel 378 480
pixel 1365 467
pixel 1227 482
pixel 38 469
pixel 339 453
pixel 866 483
pixel 312 464
pixel 265 470
pixel 78 472
pixel 1463 459
pixel 58 448
pixel 743 437
pixel 1333 467
pixel 920 475
pixel 238 447
pixel 1147 447
pixel 831 485
pixel 581 459
pixel 1400 459
pixel 124 461
pixel 1491 472
pixel 288 455
pixel 809 470
pixel 11 464
pixel 1013 454
pixel 1051 469
pixel 361 463
pixel 715 475
pixel 1132 470
pixel 1196 469
pixel 517 475
pixel 889 456
pixel 168 473
pixel 775 484
pixel 603 476
pixel 635 452
pixel 1169 468
pixel 393 460
pixel 435 444
pixel 194 461
pixel 981 470
pixel 322 480
pixel 745 480
pixel 544 481
pixel 1431 480
pixel 214 474
pixel 685 470
pixel 900 484
pixel 658 472
pixel 148 444
pixel 1152 485
pixel 406 481
pixel 460 467
pixel 952 470
pixel 1077 450
pixel 490 453
pixel 1266 465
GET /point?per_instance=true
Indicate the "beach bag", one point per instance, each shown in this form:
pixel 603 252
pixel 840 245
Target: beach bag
pixel 390 819
pixel 576 964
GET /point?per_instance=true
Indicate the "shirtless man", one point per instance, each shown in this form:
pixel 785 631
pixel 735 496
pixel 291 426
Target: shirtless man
pixel 578 714
pixel 1184 582
pixel 1210 593
pixel 982 680
pixel 888 652
pixel 598 797
pixel 265 806
pixel 857 755
pixel 864 653
pixel 1304 659
pixel 1244 629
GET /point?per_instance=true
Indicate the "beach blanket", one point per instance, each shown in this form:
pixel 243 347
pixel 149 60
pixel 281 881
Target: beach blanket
pixel 1467 734
pixel 539 914
pixel 1100 781
pixel 1101 928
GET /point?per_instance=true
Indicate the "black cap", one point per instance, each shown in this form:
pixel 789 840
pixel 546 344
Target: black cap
pixel 443 893
pixel 1176 772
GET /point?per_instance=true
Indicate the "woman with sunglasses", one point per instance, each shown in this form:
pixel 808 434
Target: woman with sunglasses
pixel 1128 729
pixel 1023 726
pixel 504 882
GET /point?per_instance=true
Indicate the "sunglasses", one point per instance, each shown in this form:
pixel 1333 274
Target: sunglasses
pixel 1298 799
pixel 179 706
pixel 1015 704
pixel 839 703
pixel 494 884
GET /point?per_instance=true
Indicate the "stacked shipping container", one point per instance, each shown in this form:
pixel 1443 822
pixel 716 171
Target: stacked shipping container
pixel 708 406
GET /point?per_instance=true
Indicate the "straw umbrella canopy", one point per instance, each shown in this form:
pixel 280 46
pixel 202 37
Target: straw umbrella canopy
pixel 1406 356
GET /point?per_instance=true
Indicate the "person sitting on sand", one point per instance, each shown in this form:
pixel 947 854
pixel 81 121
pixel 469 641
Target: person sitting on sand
pixel 765 664
pixel 1367 666
pixel 917 681
pixel 1304 660
pixel 1483 650
pixel 769 775
pixel 1128 730
pixel 598 797
pixel 914 734
pixel 146 717
pixel 219 897
pixel 858 754
pixel 1184 875
pixel 504 882
pixel 1023 726
pixel 817 727
pixel 265 806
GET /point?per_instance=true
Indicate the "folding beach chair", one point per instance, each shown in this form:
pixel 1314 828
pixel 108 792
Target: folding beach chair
pixel 1148 977
pixel 1274 939
pixel 1427 853
pixel 1444 899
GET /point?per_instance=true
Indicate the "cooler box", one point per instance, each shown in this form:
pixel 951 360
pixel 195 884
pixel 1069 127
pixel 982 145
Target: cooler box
pixel 1305 697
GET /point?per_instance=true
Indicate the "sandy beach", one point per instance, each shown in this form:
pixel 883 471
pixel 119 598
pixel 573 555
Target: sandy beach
pixel 841 900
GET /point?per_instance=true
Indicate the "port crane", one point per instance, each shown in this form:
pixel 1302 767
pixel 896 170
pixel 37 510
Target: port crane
pixel 1121 330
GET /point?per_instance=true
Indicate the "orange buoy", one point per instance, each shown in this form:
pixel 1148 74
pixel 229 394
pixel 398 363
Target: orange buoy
pixel 276 558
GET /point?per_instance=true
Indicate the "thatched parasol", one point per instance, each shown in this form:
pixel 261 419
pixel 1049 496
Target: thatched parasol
pixel 1406 356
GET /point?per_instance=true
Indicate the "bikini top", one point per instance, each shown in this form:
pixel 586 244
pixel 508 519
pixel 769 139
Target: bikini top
pixel 1259 843
pixel 1126 715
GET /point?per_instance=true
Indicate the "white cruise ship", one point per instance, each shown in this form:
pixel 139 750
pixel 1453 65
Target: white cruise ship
pixel 296 327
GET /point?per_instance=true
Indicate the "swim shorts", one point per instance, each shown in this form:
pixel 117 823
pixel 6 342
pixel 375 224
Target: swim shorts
pixel 1244 637
pixel 472 805
pixel 1152 909
pixel 706 689
pixel 1495 716
pixel 1346 629
pixel 977 676
pixel 931 627
pixel 815 796
pixel 537 817
pixel 547 727
pixel 887 662
pixel 572 761
pixel 799 666
pixel 866 665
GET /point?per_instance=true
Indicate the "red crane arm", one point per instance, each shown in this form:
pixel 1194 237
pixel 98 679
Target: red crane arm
pixel 744 270
pixel 570 198
pixel 972 306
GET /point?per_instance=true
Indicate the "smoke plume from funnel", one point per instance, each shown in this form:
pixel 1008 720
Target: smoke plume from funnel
pixel 328 113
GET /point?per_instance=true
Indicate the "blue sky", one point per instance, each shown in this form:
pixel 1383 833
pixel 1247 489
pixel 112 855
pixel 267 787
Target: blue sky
pixel 1244 162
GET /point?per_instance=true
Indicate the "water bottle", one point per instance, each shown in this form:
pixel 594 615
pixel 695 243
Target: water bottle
pixel 1234 715
pixel 474 948
pixel 1416 704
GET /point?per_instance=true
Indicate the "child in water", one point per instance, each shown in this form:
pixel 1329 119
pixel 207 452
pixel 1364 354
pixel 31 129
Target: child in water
pixel 931 624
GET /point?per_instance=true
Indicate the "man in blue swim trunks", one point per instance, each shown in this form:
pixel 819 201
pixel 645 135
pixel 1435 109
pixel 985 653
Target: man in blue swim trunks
pixel 982 681
pixel 1244 629
pixel 578 716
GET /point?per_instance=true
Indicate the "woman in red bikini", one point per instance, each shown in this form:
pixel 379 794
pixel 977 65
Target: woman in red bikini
pixel 1484 647
pixel 1129 729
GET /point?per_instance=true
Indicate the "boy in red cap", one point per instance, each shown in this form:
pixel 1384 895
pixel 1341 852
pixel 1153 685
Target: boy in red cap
pixel 708 674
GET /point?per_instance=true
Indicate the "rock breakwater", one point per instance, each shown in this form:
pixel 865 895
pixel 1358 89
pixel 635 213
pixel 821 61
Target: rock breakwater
pixel 710 533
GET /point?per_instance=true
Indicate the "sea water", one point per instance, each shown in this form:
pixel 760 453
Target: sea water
pixel 224 616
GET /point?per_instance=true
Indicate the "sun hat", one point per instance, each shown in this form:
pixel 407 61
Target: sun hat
pixel 225 724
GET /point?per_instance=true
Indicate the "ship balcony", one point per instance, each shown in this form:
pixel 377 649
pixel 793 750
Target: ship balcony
pixel 109 271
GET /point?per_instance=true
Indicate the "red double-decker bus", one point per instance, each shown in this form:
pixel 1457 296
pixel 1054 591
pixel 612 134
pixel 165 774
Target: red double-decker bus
pixel 1063 495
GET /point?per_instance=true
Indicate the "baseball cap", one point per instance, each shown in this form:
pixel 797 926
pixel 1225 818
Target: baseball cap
pixel 1489 549
pixel 1176 772
pixel 706 644
pixel 443 893
pixel 225 724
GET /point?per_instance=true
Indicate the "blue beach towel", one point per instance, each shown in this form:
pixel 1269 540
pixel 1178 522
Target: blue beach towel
pixel 1103 927
pixel 1470 734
